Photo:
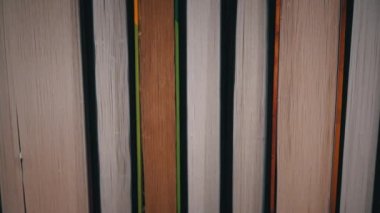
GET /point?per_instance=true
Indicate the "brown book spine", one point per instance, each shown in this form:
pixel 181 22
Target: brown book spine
pixel 157 92
pixel 273 170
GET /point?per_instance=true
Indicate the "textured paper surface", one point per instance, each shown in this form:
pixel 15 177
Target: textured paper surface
pixel 203 104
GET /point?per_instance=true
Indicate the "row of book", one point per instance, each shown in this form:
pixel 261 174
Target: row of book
pixel 189 106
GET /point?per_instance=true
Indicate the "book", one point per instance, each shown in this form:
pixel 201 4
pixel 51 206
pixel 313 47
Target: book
pixel 362 109
pixel 250 106
pixel 113 113
pixel 203 105
pixel 44 68
pixel 308 61
pixel 157 92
